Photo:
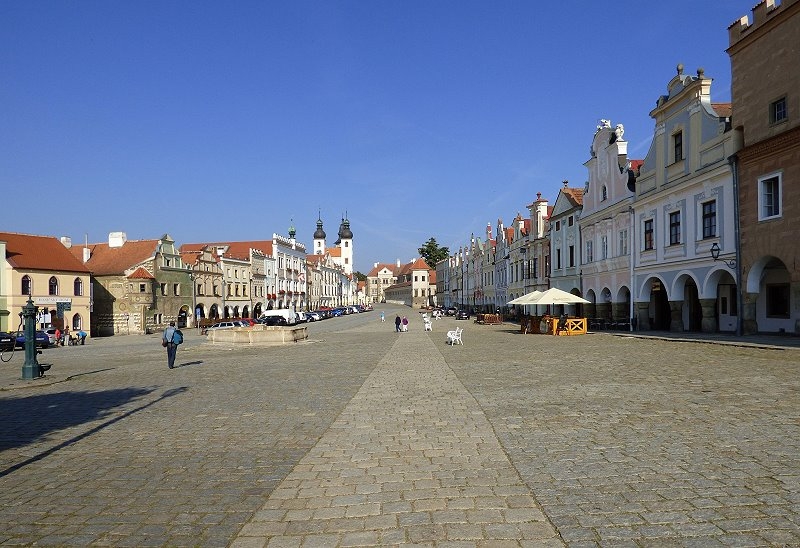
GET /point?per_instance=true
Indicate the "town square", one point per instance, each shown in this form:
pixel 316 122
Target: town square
pixel 347 273
pixel 362 436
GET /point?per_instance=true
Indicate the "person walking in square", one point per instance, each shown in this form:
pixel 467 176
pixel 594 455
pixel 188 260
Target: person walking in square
pixel 405 323
pixel 168 341
pixel 397 321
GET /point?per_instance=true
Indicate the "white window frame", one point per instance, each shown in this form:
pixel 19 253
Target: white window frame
pixel 761 201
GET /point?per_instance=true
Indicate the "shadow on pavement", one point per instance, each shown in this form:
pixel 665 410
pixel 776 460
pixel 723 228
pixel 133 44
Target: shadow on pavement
pixel 27 420
pixel 185 364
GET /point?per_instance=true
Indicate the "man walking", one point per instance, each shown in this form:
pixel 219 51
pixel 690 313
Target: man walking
pixel 397 321
pixel 168 341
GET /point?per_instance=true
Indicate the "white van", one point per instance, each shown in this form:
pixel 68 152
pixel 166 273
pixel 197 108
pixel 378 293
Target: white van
pixel 287 313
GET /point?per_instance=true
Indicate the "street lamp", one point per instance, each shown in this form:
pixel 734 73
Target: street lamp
pixel 30 368
pixel 192 278
pixel 715 250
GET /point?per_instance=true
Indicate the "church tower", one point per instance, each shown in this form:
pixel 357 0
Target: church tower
pixel 345 243
pixel 319 237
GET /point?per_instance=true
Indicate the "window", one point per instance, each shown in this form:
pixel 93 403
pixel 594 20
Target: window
pixel 558 226
pixel 77 322
pixel 571 220
pixel 604 247
pixel 589 252
pixel 166 262
pixel 777 111
pixel 604 196
pixel 777 300
pixel 571 254
pixel 77 287
pixel 648 234
pixel 558 258
pixel 176 289
pixel 142 288
pixel 677 146
pixel 769 197
pixel 163 288
pixel 623 242
pixel 26 285
pixel 53 286
pixel 200 290
pixel 675 228
pixel 710 219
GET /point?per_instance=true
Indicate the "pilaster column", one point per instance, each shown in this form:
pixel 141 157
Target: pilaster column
pixel 620 311
pixel 676 316
pixel 749 323
pixel 642 316
pixel 708 323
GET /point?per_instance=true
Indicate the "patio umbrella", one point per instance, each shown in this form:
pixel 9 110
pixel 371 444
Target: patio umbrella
pixel 556 296
pixel 527 298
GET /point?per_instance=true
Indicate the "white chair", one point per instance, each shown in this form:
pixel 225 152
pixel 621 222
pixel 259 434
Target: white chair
pixel 428 324
pixel 454 336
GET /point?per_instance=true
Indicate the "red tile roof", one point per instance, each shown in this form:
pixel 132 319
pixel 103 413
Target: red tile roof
pixel 574 195
pixel 380 266
pixel 236 250
pixel 105 260
pixel 723 110
pixel 141 273
pixel 636 165
pixel 25 251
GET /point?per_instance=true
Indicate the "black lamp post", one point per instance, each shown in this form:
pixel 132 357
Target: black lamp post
pixel 715 250
pixel 31 368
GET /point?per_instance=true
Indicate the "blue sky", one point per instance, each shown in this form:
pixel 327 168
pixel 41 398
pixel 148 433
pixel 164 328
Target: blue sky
pixel 231 120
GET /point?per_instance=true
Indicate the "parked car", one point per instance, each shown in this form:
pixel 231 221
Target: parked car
pixel 302 317
pixel 223 325
pixel 273 320
pixel 462 314
pixel 452 311
pixel 313 316
pixel 51 333
pixel 247 322
pixel 42 339
pixel 7 341
pixel 286 313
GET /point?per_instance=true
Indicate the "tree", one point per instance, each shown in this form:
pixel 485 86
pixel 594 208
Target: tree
pixel 432 253
pixel 360 277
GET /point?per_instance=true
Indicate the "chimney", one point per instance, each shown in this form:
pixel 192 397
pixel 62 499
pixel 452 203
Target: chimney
pixel 87 254
pixel 117 239
pixel 67 241
pixel 398 263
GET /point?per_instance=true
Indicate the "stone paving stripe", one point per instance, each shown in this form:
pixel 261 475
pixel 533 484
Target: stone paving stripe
pixel 412 431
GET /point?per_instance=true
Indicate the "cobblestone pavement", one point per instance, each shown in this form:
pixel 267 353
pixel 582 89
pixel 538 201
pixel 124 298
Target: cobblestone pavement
pixel 365 437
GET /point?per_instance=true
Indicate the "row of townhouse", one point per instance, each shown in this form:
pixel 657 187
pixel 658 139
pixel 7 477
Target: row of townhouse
pixel 138 286
pixel 700 235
